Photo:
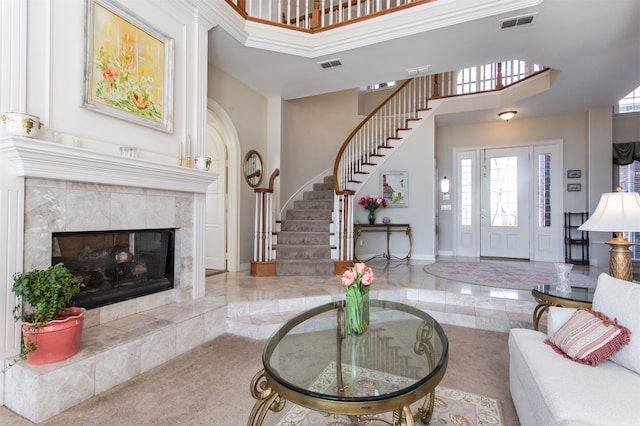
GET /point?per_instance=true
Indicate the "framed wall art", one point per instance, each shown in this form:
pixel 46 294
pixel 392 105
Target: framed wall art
pixel 574 173
pixel 129 67
pixel 574 187
pixel 394 187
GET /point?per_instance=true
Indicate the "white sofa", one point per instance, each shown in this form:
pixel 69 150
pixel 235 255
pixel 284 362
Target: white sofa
pixel 549 389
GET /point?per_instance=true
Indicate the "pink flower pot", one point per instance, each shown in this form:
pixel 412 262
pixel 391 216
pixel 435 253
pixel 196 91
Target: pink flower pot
pixel 56 340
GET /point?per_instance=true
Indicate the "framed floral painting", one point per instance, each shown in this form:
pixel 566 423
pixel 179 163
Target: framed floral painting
pixel 129 67
pixel 394 187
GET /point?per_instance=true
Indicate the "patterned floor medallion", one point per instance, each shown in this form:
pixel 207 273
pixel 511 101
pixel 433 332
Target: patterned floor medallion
pixel 452 407
pixel 513 275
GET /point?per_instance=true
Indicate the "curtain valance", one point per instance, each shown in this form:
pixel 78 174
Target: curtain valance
pixel 626 153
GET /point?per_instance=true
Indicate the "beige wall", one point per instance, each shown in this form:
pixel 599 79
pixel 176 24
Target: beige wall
pixel 314 128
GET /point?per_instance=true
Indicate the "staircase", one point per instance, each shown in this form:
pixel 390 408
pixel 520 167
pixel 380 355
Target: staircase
pixel 304 240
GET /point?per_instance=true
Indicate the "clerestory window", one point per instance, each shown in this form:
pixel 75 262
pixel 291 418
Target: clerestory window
pixel 483 77
pixel 630 103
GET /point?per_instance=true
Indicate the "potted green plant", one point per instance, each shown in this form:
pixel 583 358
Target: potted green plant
pixel 51 329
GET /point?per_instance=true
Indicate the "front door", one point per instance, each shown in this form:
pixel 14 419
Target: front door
pixel 505 205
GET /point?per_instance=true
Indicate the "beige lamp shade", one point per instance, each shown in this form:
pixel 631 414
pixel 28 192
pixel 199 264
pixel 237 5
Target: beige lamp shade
pixel 616 212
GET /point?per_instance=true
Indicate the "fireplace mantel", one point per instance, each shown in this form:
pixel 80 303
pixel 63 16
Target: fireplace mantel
pixel 47 160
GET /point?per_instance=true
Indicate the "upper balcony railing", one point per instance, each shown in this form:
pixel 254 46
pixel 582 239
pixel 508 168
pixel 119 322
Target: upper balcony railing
pixel 317 15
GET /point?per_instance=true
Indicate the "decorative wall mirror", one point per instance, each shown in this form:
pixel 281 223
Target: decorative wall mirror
pixel 253 168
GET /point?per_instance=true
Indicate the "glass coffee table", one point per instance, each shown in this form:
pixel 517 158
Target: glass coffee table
pixel 547 295
pixel 311 362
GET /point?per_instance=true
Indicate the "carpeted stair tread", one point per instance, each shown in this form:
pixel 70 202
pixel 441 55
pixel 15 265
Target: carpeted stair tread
pixel 304 241
pixel 308 252
pixel 304 226
pixel 303 238
pixel 302 267
pixel 313 204
pixel 321 194
pixel 308 214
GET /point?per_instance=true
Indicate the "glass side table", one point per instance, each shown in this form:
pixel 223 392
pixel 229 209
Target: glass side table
pixel 311 361
pixel 547 295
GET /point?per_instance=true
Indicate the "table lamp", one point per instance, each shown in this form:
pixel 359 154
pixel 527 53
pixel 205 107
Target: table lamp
pixel 617 212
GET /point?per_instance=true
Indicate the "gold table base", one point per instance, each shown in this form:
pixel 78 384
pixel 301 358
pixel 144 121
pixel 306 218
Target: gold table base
pixel 546 300
pixel 267 399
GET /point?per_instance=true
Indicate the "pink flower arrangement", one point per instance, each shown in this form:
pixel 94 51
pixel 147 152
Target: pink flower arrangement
pixel 357 281
pixel 358 275
pixel 371 203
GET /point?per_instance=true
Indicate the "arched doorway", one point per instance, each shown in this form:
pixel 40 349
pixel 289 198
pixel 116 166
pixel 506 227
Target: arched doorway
pixel 222 245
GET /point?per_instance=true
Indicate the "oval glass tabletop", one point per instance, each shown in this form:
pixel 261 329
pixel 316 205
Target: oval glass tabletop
pixel 403 352
pixel 578 294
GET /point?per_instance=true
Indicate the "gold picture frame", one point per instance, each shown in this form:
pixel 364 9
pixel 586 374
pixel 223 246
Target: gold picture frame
pixel 128 67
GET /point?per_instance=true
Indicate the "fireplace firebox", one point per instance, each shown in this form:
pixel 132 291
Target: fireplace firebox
pixel 117 265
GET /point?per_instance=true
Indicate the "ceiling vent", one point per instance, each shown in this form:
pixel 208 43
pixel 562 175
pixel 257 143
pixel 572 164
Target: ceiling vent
pixel 331 63
pixel 517 21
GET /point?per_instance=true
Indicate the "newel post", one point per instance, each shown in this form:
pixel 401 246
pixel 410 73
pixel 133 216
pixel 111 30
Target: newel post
pixel 315 15
pixel 499 84
pixel 435 89
pixel 263 263
pixel 344 231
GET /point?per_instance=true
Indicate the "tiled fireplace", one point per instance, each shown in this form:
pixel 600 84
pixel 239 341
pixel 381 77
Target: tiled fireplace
pixel 53 190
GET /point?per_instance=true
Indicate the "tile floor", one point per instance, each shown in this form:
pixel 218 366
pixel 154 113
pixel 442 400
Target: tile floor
pixel 115 347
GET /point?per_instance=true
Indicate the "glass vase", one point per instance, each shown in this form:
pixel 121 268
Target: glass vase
pixel 357 311
pixel 562 271
pixel 372 217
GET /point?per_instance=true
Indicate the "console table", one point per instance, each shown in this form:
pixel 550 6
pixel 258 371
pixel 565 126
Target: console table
pixel 389 228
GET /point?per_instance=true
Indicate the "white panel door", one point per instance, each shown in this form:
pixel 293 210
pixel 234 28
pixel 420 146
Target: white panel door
pixel 215 238
pixel 505 223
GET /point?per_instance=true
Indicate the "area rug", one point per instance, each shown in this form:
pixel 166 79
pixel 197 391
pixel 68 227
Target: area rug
pixel 452 407
pixel 513 275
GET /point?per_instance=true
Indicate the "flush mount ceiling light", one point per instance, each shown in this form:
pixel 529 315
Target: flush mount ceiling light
pixel 507 115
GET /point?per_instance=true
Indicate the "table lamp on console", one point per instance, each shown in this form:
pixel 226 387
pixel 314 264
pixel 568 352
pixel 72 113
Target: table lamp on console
pixel 617 212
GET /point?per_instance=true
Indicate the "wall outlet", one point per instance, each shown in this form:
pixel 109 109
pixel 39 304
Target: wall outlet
pixel 361 242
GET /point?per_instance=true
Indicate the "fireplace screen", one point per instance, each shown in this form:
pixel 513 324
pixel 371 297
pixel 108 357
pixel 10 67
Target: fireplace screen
pixel 116 265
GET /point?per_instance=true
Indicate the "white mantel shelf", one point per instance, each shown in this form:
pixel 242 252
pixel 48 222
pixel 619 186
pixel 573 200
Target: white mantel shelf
pixel 47 160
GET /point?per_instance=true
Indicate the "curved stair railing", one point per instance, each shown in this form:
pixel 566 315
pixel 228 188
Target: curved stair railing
pixel 366 147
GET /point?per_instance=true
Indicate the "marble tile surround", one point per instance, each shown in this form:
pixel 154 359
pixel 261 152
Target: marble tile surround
pixel 65 206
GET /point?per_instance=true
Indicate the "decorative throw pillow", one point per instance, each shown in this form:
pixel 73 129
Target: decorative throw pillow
pixel 589 337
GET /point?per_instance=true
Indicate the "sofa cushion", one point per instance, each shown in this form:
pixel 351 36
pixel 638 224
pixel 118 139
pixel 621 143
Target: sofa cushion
pixel 557 316
pixel 589 337
pixel 619 299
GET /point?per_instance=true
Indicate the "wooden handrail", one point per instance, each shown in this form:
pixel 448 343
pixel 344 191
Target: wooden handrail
pixel 346 142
